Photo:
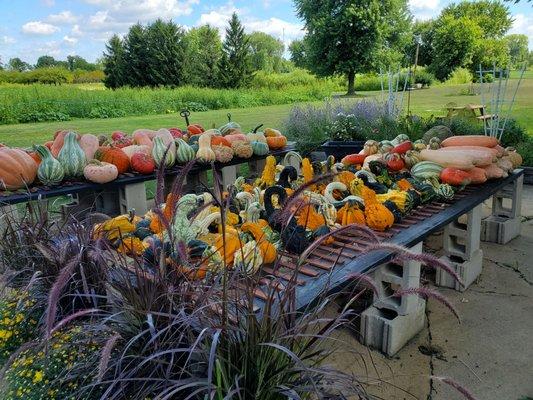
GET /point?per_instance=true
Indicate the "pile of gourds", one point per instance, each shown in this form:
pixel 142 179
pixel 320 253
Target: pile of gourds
pixel 253 230
pixel 70 156
pixel 448 163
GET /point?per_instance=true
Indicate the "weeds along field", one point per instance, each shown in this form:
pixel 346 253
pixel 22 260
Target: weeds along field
pixel 39 103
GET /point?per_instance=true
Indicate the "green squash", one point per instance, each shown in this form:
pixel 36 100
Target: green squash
pixel 445 192
pixel 72 157
pixel 158 153
pixel 50 171
pixel 229 128
pixel 260 148
pixel 184 152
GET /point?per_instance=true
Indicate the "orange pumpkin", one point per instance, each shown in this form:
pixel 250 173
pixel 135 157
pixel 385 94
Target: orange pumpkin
pixel 115 156
pixel 35 156
pixel 276 142
pixel 195 129
pixel 17 169
pixel 220 141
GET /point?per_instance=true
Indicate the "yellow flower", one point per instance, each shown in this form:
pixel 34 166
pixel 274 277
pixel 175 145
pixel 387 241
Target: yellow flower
pixel 38 376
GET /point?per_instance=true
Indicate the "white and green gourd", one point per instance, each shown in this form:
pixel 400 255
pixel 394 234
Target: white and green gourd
pixel 445 191
pixel 161 156
pixel 259 148
pixel 72 157
pixel 184 152
pixel 50 171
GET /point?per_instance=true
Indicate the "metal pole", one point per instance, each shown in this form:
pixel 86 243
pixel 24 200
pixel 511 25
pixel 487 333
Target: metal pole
pixel 416 62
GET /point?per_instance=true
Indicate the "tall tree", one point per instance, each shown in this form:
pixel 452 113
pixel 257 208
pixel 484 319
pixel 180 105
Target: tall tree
pixel 493 17
pixel 518 49
pixel 16 64
pixel 266 52
pixel 343 36
pixel 203 49
pixel 299 53
pixel 235 66
pixel 423 32
pixel 46 62
pixel 114 63
pixel 397 36
pixel 136 57
pixel 454 44
pixel 166 51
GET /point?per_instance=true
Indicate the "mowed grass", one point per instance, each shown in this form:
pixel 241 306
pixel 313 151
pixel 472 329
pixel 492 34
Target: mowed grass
pixel 424 102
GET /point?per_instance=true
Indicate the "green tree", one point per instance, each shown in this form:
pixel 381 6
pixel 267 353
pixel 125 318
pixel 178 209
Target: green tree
pixel 165 53
pixel 77 62
pixel 46 62
pixel 518 49
pixel 454 44
pixel 235 66
pixel 203 49
pixel 114 63
pixel 343 36
pixel 397 36
pixel 423 31
pixel 136 57
pixel 266 52
pixel 16 64
pixel 299 53
pixel 493 17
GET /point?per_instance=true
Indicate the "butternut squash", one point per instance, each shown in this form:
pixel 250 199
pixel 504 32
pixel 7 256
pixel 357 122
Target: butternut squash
pixel 470 140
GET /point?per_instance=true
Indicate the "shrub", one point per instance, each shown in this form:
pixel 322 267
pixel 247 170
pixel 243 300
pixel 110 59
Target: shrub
pixel 425 78
pixel 81 76
pixel 525 149
pixel 460 76
pixel 514 134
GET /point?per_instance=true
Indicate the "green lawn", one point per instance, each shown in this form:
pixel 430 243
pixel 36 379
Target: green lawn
pixel 424 102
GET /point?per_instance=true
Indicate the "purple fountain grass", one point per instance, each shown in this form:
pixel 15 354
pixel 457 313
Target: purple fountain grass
pixel 105 355
pixel 65 321
pixel 404 254
pixel 55 293
pixel 364 278
pixel 461 389
pixel 427 293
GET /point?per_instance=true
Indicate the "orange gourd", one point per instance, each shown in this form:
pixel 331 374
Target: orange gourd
pixel 377 216
pixel 268 250
pixel 276 142
pixel 309 218
pixel 220 141
pixel 17 169
pixel 346 177
pixel 350 214
pixel 115 156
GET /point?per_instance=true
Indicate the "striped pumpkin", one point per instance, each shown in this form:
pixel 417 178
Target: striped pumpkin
pixel 50 170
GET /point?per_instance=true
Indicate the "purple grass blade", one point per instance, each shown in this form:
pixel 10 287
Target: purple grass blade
pixel 72 317
pixel 364 278
pixel 105 356
pixel 427 293
pixel 461 389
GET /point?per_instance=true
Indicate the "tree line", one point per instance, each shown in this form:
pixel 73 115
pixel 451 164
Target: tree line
pixel 164 54
pixel 356 36
pixel 72 63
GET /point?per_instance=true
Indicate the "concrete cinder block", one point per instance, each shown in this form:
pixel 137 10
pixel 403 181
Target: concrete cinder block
pixel 256 167
pixel 500 230
pixel 468 271
pixel 463 240
pixel 391 277
pixel 133 198
pixel 229 175
pixel 387 332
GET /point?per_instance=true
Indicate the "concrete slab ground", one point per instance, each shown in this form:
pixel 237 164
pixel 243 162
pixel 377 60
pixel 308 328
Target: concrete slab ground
pixel 490 352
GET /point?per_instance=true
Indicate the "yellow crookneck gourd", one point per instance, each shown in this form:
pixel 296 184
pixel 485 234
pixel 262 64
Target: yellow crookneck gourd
pixel 398 197
pixel 377 216
pixel 308 172
pixel 350 214
pixel 268 251
pixel 309 218
pixel 268 177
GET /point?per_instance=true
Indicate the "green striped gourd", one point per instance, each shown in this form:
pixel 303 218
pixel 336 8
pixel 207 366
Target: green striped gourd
pixel 229 128
pixel 411 158
pixel 259 148
pixel 184 152
pixel 72 156
pixel 158 153
pixel 445 191
pixel 50 171
pixel 426 170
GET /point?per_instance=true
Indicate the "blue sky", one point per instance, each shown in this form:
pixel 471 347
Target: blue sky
pixel 30 28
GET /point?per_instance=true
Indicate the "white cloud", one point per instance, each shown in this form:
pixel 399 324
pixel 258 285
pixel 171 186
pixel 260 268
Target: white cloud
pixel 76 31
pixel 523 24
pixel 63 18
pixel 424 9
pixel 7 40
pixel 48 3
pixel 131 11
pixel 39 28
pixel 71 41
pixel 51 48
